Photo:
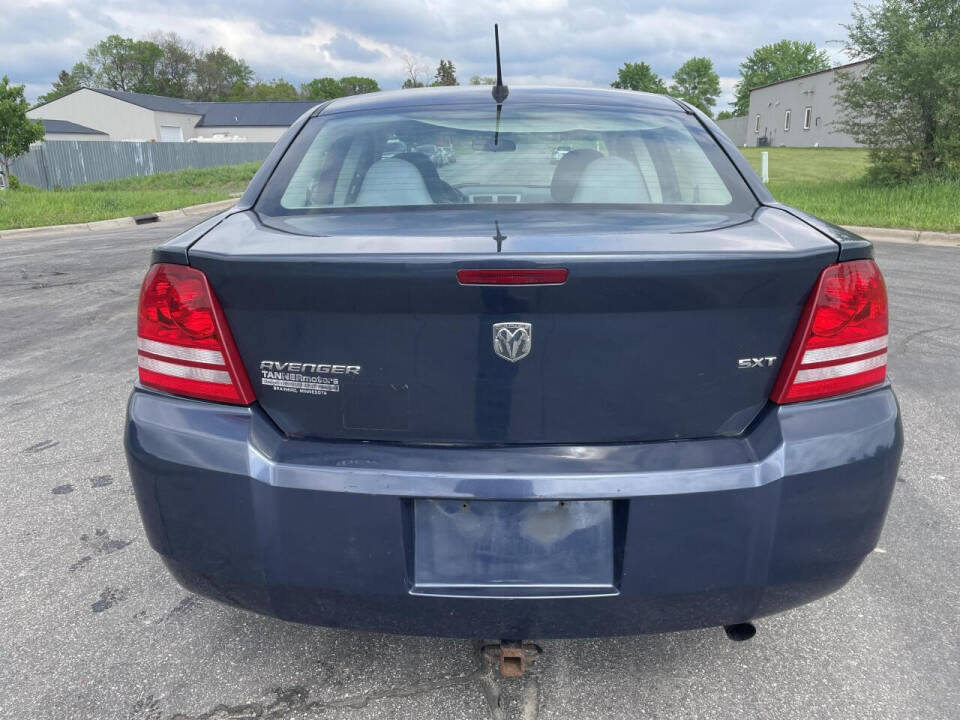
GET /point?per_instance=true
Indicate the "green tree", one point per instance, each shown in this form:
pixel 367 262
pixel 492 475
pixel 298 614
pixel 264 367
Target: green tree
pixel 446 74
pixel 482 80
pixel 323 88
pixel 163 64
pixel 120 63
pixel 176 67
pixel 63 85
pixel 696 82
pixel 779 61
pixel 277 89
pixel 639 76
pixel 724 115
pixel 17 131
pixel 220 76
pixel 905 103
pixel 414 73
pixel 353 85
pixel 82 75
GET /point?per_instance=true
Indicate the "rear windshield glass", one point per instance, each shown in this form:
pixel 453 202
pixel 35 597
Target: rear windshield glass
pixel 529 156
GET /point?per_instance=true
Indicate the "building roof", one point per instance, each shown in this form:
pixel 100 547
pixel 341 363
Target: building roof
pixel 65 127
pixel 818 72
pixel 473 94
pixel 254 113
pixel 151 102
pixel 249 113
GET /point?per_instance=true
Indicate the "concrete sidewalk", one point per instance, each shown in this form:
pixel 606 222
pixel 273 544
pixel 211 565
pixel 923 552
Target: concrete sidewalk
pixel 922 237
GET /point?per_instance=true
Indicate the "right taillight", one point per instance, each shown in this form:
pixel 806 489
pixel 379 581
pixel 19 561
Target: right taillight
pixel 840 345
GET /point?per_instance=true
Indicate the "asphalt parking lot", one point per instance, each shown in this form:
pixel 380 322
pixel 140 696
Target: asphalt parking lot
pixel 92 626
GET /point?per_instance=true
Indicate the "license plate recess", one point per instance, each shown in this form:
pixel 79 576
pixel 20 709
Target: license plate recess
pixel 513 548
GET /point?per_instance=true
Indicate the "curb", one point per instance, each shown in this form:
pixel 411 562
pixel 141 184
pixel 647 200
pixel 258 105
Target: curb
pixel 204 209
pixel 909 237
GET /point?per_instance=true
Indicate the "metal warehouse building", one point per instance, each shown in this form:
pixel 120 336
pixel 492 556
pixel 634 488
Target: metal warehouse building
pixel 797 112
pixel 115 115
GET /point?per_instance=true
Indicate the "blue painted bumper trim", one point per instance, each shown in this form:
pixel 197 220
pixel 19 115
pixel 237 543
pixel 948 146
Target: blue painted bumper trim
pixel 706 532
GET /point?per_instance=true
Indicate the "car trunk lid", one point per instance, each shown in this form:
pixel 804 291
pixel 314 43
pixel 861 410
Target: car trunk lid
pixel 365 332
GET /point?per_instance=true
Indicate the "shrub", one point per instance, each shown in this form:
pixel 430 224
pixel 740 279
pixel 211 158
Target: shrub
pixel 903 102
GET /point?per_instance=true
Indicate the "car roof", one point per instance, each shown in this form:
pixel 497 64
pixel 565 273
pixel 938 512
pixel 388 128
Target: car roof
pixel 473 94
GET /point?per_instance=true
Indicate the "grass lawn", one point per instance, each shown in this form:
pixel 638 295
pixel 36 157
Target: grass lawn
pixel 29 207
pixel 830 183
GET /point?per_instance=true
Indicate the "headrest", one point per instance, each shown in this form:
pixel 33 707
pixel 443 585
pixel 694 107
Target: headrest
pixel 611 180
pixel 393 182
pixel 566 176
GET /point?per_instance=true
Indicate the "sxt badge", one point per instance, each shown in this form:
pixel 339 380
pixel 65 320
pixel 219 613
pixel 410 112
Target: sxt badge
pixel 747 363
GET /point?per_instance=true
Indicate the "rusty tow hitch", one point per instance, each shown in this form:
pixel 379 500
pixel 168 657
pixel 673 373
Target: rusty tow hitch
pixel 513 656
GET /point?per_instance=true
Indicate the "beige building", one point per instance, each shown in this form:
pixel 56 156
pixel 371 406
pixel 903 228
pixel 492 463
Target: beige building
pixel 116 115
pixel 801 111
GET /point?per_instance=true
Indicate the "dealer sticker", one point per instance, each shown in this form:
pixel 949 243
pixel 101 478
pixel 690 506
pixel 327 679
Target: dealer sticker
pixel 304 378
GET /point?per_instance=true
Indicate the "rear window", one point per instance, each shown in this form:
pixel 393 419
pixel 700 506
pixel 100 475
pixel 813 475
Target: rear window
pixel 530 156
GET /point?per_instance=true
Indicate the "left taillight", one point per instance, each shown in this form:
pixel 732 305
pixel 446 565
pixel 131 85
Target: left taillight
pixel 184 345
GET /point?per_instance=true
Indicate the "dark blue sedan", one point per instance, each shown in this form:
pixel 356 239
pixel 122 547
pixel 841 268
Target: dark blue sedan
pixel 620 391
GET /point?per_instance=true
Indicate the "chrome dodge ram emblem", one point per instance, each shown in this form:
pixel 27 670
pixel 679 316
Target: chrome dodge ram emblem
pixel 512 340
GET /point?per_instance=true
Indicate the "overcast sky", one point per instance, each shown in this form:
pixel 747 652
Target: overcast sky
pixel 543 41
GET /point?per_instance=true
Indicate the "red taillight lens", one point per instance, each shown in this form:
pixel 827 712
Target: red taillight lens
pixel 183 343
pixel 532 276
pixel 841 341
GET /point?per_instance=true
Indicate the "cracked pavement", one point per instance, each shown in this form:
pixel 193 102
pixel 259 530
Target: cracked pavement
pixel 92 625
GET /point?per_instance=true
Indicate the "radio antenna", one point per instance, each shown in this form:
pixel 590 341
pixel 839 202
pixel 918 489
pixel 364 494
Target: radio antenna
pixel 500 91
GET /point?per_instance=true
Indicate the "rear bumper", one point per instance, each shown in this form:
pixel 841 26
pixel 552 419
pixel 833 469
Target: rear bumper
pixel 706 532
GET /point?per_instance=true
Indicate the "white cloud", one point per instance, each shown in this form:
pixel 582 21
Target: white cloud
pixel 544 41
pixel 728 87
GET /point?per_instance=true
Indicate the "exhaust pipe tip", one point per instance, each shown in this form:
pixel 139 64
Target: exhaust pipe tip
pixel 740 632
